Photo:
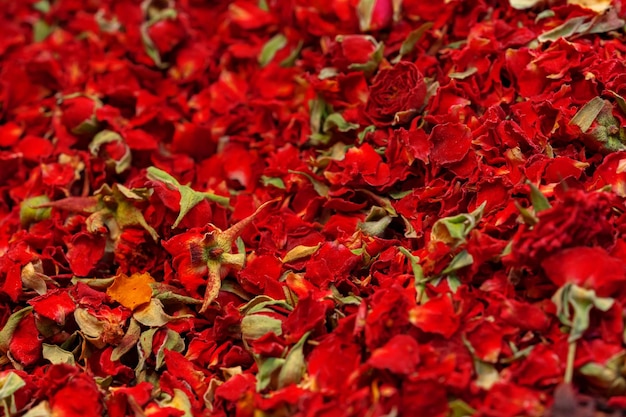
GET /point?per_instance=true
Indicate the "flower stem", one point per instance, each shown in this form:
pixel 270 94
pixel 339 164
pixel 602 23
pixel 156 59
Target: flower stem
pixel 569 370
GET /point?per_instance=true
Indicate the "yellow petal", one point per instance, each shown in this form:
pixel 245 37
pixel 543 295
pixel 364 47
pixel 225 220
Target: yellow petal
pixel 132 291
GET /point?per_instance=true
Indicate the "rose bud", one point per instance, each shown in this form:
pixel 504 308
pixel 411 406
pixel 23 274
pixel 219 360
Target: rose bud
pixel 375 14
pixel 78 114
pixel 166 34
pixel 396 94
pixel 355 52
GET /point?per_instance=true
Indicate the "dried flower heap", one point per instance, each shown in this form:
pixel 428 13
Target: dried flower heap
pixel 312 208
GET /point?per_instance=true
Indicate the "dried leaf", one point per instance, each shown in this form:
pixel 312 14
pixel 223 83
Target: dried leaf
pixel 32 210
pixel 56 355
pixel 336 121
pixel 40 410
pixel 538 200
pixel 300 252
pixel 411 40
pixel 173 341
pixel 585 117
pixel 9 328
pixel 189 197
pixel 153 315
pixel 453 230
pixel 524 4
pixel 88 324
pixel 273 181
pixel 461 260
pixel 574 305
pixel 267 372
pixel 464 74
pixel 129 340
pixel 270 48
pixel 9 385
pixel 257 325
pixel 179 401
pixel 295 366
pixel 598 6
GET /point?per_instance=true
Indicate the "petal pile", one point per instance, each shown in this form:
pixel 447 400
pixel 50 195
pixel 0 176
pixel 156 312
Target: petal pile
pixel 312 208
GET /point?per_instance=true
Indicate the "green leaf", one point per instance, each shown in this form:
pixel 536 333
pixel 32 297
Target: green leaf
pixel 145 341
pixel 258 300
pixel 463 75
pixel 295 366
pixel 267 307
pixel 487 374
pixel 454 283
pixel 621 102
pixel 97 283
pixel 372 63
pixel 129 340
pixel 125 213
pixel 40 410
pixel 31 212
pixel 523 4
pixel 160 292
pixel 565 30
pixel 174 342
pixel 418 272
pixel 376 227
pixel 538 200
pixel 56 355
pixel 41 30
pixel 544 15
pixel 153 315
pixel 88 324
pixel 453 230
pixel 273 181
pixel 321 188
pixel 381 201
pixel 9 384
pixel 459 408
pixel 507 249
pixel 607 376
pixel 42 6
pixel 108 136
pixel 364 132
pixel 9 328
pixel 257 325
pixel 374 59
pixel 33 278
pixel 337 121
pixel 600 23
pixel 461 260
pixel 574 305
pixel 267 371
pixel 318 110
pixel 179 401
pixel 364 10
pixel 300 252
pixel 411 40
pixel 189 198
pixel 276 43
pixel 103 137
pixel 585 117
pixel 149 46
pixel 328 72
pixel 291 59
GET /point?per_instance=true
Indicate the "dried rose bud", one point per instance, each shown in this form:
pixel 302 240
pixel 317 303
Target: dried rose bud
pixel 78 114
